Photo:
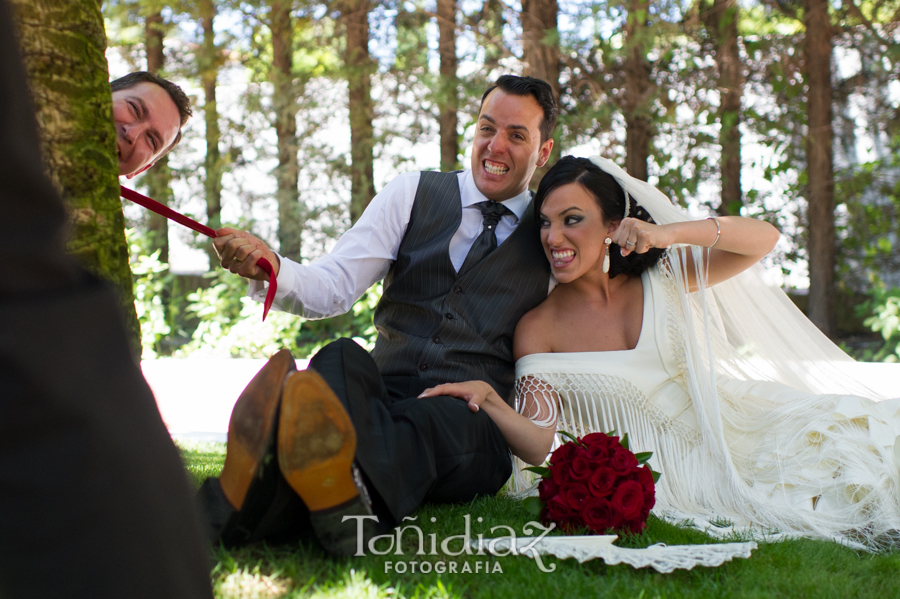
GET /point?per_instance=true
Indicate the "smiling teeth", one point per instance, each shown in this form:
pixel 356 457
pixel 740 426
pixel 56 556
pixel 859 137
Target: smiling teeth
pixel 561 255
pixel 495 170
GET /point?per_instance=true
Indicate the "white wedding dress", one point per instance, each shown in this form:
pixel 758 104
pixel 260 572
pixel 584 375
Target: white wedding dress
pixel 778 461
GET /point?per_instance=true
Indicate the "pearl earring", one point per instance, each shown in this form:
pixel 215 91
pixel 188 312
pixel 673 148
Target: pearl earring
pixel 607 241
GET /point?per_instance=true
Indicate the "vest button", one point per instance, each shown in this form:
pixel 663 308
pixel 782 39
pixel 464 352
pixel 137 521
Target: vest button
pixel 423 367
pixel 457 289
pixel 436 339
pixel 448 316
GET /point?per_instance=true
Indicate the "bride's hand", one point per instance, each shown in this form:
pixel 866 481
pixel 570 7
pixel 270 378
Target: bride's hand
pixel 633 235
pixel 473 393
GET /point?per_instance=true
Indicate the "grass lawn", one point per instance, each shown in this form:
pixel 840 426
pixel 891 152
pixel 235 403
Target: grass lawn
pixel 799 568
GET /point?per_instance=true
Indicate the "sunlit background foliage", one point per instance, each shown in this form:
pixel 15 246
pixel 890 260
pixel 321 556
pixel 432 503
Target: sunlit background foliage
pixel 303 110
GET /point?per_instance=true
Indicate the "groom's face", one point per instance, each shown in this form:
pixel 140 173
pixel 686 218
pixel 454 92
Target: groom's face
pixel 507 146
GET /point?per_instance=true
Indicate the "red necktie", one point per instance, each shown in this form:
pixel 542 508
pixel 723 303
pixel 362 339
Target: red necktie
pixel 162 209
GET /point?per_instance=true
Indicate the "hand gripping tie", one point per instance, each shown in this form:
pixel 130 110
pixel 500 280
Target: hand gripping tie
pixel 162 209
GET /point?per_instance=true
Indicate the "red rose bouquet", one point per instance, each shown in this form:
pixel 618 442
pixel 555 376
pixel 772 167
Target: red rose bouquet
pixel 595 482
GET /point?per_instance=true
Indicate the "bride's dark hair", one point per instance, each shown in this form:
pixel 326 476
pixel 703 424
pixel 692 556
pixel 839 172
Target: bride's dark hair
pixel 609 197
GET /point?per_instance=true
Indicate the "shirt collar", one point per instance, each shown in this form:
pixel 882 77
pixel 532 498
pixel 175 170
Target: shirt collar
pixel 471 196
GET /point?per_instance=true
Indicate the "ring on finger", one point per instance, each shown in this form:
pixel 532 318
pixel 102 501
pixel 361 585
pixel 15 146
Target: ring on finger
pixel 629 242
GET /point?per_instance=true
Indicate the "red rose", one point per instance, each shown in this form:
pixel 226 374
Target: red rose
pixel 600 515
pixel 644 476
pixel 623 461
pixel 547 489
pixel 581 468
pixel 628 499
pixel 602 482
pixel 635 526
pixel 595 439
pixel 597 453
pixel 573 494
pixel 563 454
pixel 557 510
pixel 561 475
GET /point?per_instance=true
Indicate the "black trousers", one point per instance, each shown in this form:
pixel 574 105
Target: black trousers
pixel 410 451
pixel 413 450
pixel 94 499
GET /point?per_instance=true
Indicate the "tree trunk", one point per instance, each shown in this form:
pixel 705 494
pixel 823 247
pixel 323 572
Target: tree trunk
pixel 638 124
pixel 492 23
pixel 209 69
pixel 723 22
pixel 158 178
pixel 284 100
pixel 358 67
pixel 817 47
pixel 448 100
pixel 78 141
pixel 540 42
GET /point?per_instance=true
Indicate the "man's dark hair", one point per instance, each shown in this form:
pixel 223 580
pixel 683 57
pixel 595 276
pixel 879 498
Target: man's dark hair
pixel 610 197
pixel 538 89
pixel 182 102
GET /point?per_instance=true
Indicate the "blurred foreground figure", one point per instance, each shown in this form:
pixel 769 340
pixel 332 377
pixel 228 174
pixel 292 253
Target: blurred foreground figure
pixel 94 501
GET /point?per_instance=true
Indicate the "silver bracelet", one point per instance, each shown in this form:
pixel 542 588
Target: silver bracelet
pixel 718 230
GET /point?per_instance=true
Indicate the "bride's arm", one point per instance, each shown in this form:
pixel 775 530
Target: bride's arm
pixel 737 243
pixel 526 439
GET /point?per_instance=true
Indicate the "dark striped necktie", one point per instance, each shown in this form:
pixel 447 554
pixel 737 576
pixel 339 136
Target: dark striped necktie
pixel 491 213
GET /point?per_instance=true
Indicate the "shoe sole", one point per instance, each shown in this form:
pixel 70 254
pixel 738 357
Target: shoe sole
pixel 316 443
pixel 251 427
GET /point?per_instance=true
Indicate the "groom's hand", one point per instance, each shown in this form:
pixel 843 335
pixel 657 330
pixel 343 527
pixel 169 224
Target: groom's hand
pixel 240 251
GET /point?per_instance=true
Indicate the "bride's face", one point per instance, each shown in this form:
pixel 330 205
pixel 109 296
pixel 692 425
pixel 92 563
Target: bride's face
pixel 572 232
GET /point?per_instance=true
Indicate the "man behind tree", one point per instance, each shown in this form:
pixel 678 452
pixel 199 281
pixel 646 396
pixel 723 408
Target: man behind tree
pixel 461 260
pixel 148 112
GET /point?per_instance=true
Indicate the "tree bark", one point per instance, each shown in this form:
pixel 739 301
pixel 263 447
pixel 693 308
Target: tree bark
pixel 63 45
pixel 358 67
pixel 817 47
pixel 448 100
pixel 540 42
pixel 723 22
pixel 638 123
pixel 158 178
pixel 209 70
pixel 492 23
pixel 284 100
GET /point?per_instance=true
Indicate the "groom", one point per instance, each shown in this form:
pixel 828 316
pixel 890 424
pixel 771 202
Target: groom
pixel 461 260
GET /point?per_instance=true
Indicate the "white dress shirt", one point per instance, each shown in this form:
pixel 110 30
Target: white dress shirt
pixel 363 255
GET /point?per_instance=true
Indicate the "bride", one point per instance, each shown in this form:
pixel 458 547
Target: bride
pixel 664 328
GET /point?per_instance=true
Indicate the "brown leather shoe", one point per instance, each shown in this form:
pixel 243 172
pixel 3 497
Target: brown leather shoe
pixel 316 449
pixel 252 426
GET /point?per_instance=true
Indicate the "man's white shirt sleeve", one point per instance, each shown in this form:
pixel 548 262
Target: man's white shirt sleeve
pixel 363 255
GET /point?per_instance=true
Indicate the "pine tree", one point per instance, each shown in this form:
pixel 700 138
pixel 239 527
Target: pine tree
pixel 540 43
pixel 358 66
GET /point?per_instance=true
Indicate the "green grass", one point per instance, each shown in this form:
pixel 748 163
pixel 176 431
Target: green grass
pixel 800 568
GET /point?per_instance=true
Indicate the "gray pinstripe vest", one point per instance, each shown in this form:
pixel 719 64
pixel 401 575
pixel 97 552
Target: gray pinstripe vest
pixel 437 325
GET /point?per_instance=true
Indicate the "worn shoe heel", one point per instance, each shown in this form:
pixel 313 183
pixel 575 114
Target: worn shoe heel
pixel 252 426
pixel 316 449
